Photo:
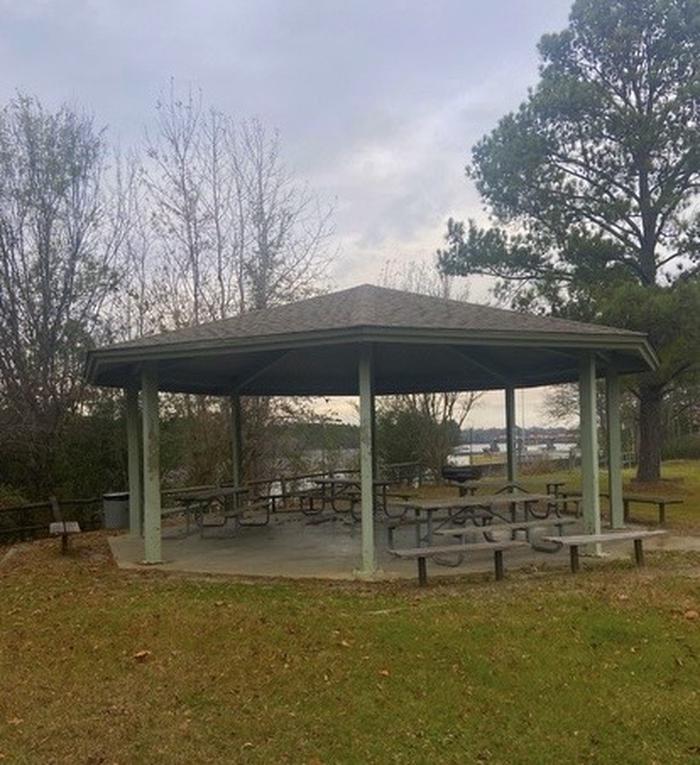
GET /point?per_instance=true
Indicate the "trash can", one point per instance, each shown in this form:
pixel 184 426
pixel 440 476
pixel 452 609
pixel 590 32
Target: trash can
pixel 116 510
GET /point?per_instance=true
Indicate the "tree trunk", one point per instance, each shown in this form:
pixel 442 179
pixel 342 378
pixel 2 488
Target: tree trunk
pixel 650 433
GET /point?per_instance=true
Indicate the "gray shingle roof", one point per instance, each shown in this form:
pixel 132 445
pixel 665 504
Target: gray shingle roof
pixel 419 344
pixel 370 306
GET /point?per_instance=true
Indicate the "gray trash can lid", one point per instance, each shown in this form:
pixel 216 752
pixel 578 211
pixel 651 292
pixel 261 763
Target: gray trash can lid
pixel 116 495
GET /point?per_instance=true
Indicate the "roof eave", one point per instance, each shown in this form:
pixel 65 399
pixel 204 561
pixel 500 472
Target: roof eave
pixel 623 341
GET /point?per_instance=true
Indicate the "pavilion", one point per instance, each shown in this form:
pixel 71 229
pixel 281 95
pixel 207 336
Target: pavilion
pixel 369 341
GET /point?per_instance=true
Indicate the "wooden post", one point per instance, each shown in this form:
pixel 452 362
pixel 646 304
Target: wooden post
pixel 151 465
pixel 369 556
pixel 589 446
pixel 511 448
pixel 612 395
pixel 573 555
pixel 498 563
pixel 134 460
pixel 638 552
pixel 422 572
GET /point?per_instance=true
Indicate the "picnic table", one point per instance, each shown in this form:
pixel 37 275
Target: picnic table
pixel 661 501
pixel 498 486
pixel 349 489
pixel 554 487
pixel 463 508
pixel 200 501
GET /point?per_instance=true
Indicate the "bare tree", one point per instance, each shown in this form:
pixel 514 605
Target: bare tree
pixel 233 229
pixel 60 232
pixel 237 230
pixel 289 228
pixel 174 177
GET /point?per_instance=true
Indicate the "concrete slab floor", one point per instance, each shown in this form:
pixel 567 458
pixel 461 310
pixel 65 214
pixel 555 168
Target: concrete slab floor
pixel 296 546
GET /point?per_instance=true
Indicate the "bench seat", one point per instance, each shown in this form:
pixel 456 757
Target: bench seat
pixel 512 527
pixel 61 527
pixel 575 541
pixel 421 554
pixel 64 529
pixel 398 522
pixel 57 528
pixel 647 499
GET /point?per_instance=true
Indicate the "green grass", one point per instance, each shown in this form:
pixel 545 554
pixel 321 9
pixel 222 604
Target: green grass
pixel 546 668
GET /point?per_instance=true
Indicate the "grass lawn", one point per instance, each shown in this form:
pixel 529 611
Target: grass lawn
pixel 101 666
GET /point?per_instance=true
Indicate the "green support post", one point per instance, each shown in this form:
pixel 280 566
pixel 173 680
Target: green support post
pixel 511 448
pixel 134 460
pixel 589 445
pixel 365 375
pixel 151 465
pixel 612 391
pixel 236 441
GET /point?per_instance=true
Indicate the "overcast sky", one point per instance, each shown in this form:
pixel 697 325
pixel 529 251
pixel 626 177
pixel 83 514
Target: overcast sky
pixel 378 102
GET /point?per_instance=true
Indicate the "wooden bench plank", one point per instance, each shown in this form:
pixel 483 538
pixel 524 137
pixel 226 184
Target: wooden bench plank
pixel 421 554
pixel 613 536
pixel 575 541
pixel 57 528
pixel 403 521
pixel 525 526
pixel 455 532
pixel 430 550
pixel 648 499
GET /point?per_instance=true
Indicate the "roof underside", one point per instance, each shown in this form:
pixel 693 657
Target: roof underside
pixel 420 344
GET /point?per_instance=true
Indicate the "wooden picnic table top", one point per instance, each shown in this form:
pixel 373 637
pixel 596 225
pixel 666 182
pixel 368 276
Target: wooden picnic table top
pixel 202 495
pixel 654 499
pixel 348 482
pixel 478 500
pixel 490 483
pixel 483 482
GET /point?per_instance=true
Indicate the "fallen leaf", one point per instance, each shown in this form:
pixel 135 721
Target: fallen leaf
pixel 142 655
pixel 384 672
pixel 345 644
pixel 691 614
